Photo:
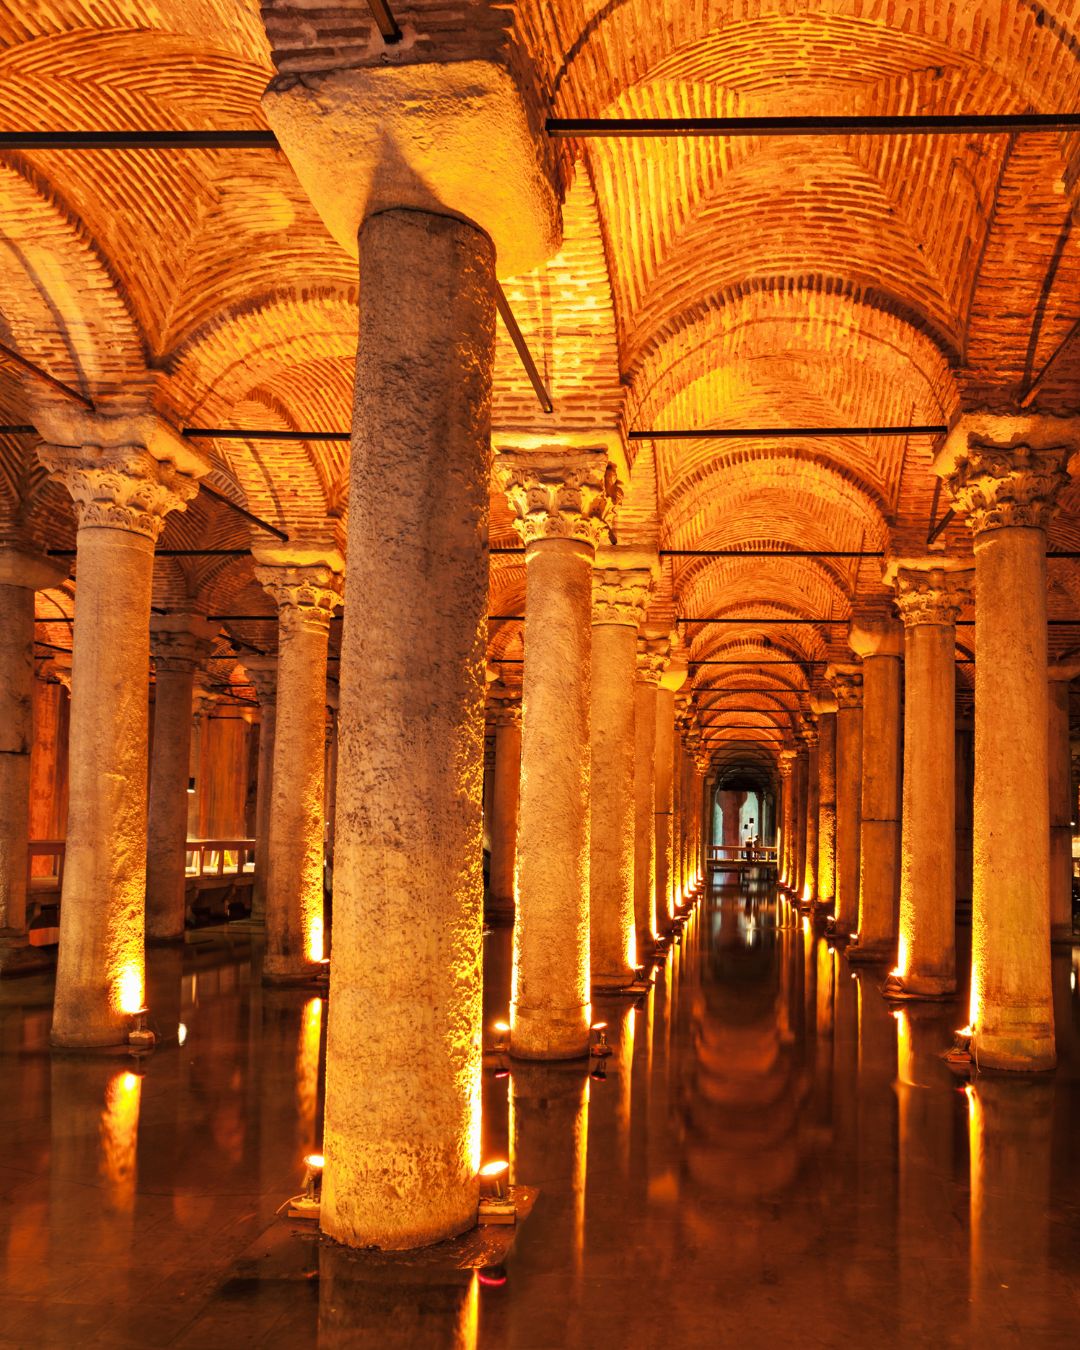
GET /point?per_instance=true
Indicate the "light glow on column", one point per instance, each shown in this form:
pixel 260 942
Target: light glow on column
pixel 129 988
pixel 313 937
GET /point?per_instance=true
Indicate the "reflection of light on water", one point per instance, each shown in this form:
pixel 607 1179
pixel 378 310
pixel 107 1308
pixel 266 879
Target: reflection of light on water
pixel 469 1326
pixel 181 1033
pixel 119 1138
pixel 307 1070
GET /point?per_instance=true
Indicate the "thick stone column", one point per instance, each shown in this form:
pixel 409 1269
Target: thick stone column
pixel 22 573
pixel 652 654
pixel 813 814
pixel 306 585
pixel 880 645
pixel 930 593
pixel 1003 475
pixel 788 757
pixel 125 475
pixel 731 804
pixel 802 812
pixel 1061 801
pixel 563 508
pixel 620 594
pixel 666 899
pixel 847 688
pixel 178 643
pixel 504 705
pixel 824 706
pixel 262 672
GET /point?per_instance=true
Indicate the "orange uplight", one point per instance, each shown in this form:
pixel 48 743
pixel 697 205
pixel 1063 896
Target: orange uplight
pixel 129 990
pixel 314 938
pixel 493 1177
pixel 315 1161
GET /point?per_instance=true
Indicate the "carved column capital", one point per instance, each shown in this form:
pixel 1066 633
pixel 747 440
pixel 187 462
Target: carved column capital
pixel 120 487
pixel 203 699
pixel 504 707
pixel 262 673
pixel 620 596
pixel 870 637
pixel 305 583
pixel 58 669
pixel 560 494
pixel 180 642
pixel 928 592
pixel 652 657
pixel 787 762
pixel 846 686
pixel 1004 471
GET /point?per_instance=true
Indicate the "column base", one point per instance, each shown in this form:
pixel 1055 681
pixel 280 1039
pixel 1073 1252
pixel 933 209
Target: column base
pixel 613 983
pixel 280 976
pixel 838 928
pixel 173 940
pixel 1017 1049
pixel 823 908
pixel 18 957
pixel 499 910
pixel 550 1033
pixel 86 1035
pixel 910 987
pixel 870 953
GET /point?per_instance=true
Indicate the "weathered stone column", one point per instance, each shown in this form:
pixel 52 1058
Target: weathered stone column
pixel 965 802
pixel 306 585
pixel 203 701
pixel 880 645
pixel 22 573
pixel 788 757
pixel 563 510
pixel 124 475
pixel 621 584
pixel 813 814
pixel 1003 474
pixel 262 672
pixel 930 593
pixel 731 804
pixel 823 705
pixel 652 654
pixel 178 643
pixel 1061 802
pixel 670 682
pixel 505 708
pixel 802 805
pixel 847 688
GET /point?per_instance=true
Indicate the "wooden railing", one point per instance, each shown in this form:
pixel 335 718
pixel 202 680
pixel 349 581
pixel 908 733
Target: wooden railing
pixel 46 848
pixel 743 855
pixel 220 857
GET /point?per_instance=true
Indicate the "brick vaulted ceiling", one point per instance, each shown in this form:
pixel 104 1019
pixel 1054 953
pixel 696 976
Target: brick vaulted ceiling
pixel 703 283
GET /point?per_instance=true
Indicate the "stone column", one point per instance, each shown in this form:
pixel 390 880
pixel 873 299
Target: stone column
pixel 671 681
pixel 802 811
pixel 306 585
pixel 1061 802
pixel 124 474
pixel 813 814
pixel 930 593
pixel 847 689
pixel 965 794
pixel 22 573
pixel 788 757
pixel 620 594
pixel 203 702
pixel 1003 475
pixel 824 706
pixel 505 707
pixel 262 672
pixel 731 804
pixel 562 506
pixel 178 643
pixel 879 643
pixel 652 654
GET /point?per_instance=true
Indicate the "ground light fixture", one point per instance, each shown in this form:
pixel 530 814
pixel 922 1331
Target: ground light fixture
pixel 496 1206
pixel 140 1037
pixel 502 1038
pixel 308 1204
pixel 599 1048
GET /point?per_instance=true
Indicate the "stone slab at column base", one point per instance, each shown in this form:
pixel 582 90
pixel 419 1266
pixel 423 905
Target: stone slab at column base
pixel 550 1032
pixel 1020 1047
pixel 873 953
pixel 18 957
pixel 309 976
pixel 918 988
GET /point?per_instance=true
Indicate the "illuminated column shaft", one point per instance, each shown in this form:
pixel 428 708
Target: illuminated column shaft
pixel 813 814
pixel 506 787
pixel 179 642
pixel 670 681
pixel 306 586
pixel 21 574
pixel 402 1131
pixel 561 505
pixel 847 687
pixel 880 644
pixel 824 705
pixel 121 497
pixel 802 801
pixel 1061 803
pixel 651 657
pixel 262 672
pixel 929 599
pixel 619 598
pixel 1006 490
pixel 787 808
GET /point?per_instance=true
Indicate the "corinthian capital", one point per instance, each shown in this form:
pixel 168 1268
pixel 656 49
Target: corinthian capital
pixel 1007 471
pixel 559 494
pixel 180 642
pixel 846 685
pixel 652 657
pixel 262 672
pixel 787 762
pixel 503 706
pixel 931 590
pixel 306 583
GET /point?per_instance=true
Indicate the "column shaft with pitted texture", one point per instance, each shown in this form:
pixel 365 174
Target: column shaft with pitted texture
pixel 787 814
pixel 402 1133
pixel 178 642
pixel 506 788
pixel 619 598
pixel 121 496
pixel 824 705
pixel 651 658
pixel 1061 803
pixel 929 598
pixel 1003 474
pixel 561 507
pixel 847 686
pixel 802 801
pixel 665 795
pixel 306 586
pixel 262 672
pixel 808 893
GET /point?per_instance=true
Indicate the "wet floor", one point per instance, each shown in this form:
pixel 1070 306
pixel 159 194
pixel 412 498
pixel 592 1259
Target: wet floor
pixel 769 1156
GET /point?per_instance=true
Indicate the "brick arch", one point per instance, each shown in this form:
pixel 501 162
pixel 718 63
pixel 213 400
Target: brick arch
pixel 708 585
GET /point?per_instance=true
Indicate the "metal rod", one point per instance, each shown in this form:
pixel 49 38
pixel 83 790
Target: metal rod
pixel 938 124
pixel 167 552
pixel 763 621
pixel 507 316
pixel 6 354
pixel 252 139
pixel 260 434
pixel 18 431
pixel 935 530
pixel 783 433
pixel 387 24
pixel 769 553
pixel 242 511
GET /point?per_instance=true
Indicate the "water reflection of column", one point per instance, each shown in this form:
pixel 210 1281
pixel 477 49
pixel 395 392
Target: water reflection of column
pixel 419 1306
pixel 548 1147
pixel 1009 1127
pixel 307 1077
pixel 875 1146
